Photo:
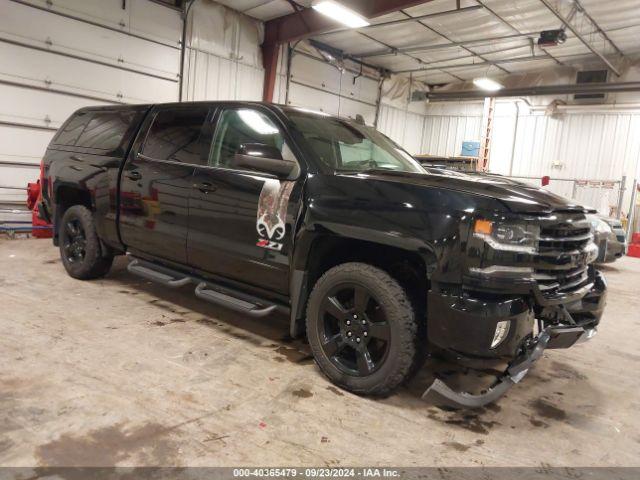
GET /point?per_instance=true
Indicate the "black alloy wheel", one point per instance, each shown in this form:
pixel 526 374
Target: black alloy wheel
pixel 362 329
pixel 82 254
pixel 75 245
pixel 354 330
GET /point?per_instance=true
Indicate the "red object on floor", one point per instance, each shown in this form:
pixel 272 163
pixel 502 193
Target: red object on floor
pixel 41 229
pixel 633 250
pixel 635 238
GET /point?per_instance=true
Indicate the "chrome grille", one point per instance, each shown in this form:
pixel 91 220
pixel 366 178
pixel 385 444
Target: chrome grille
pixel 561 281
pixel 564 239
pixel 563 234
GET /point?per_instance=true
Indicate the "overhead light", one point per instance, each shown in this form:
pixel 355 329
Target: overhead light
pixel 486 83
pixel 340 14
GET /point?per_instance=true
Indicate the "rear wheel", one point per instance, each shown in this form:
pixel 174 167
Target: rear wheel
pixel 80 248
pixel 362 329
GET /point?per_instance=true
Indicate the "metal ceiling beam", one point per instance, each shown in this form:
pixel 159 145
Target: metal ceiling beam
pixel 304 23
pixel 307 22
pixel 442 46
pixel 407 20
pixel 510 25
pixel 534 91
pixel 477 64
pixel 408 55
pixel 449 40
pixel 599 30
pixel 579 36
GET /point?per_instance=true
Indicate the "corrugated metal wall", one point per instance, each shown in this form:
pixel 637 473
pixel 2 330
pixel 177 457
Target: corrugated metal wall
pixel 587 144
pixel 223 60
pixel 435 134
pixel 404 127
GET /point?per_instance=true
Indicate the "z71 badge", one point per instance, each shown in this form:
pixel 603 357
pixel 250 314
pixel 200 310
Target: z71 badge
pixel 272 213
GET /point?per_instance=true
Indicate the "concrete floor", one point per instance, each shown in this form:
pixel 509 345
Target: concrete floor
pixel 120 371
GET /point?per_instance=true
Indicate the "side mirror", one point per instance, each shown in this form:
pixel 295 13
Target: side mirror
pixel 263 158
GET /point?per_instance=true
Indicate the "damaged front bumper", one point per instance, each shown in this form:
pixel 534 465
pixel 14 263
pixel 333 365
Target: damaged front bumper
pixel 470 324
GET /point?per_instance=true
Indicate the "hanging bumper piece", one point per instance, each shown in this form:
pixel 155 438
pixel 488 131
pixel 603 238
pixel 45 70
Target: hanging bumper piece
pixel 440 394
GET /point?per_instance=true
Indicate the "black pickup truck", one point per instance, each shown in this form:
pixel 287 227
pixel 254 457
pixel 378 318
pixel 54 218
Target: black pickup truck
pixel 380 263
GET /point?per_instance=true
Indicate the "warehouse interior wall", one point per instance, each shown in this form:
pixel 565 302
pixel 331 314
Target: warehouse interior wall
pixel 589 142
pixel 223 60
pixel 336 88
pixel 61 56
pixel 56 57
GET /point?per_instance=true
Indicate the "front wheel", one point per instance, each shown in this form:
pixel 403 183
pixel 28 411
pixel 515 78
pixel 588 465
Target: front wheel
pixel 362 329
pixel 80 248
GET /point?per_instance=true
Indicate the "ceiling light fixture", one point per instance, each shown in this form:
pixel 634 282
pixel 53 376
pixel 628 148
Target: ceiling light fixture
pixel 486 83
pixel 340 14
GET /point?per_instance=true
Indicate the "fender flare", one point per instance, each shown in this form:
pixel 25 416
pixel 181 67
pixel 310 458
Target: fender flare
pixel 299 288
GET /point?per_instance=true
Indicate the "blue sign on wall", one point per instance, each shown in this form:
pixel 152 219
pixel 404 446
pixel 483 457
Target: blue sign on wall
pixel 470 149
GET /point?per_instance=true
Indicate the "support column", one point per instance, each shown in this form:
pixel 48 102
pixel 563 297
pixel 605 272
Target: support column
pixel 270 54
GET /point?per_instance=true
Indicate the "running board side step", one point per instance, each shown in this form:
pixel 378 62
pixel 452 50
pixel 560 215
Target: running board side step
pixel 204 292
pixel 157 274
pixel 220 295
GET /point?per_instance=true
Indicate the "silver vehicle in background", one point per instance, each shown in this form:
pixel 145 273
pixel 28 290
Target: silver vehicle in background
pixel 609 236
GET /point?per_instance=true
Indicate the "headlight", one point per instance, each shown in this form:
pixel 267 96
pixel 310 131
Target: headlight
pixel 513 236
pixel 599 225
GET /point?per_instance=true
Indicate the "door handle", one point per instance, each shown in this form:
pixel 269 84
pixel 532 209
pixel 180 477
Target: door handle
pixel 135 175
pixel 205 187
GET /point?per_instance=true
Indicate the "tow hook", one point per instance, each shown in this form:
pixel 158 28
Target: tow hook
pixel 440 394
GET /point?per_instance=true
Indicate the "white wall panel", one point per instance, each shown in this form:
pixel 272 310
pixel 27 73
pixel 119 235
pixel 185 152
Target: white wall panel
pixel 21 145
pixel 351 108
pixel 139 17
pixel 403 127
pixel 27 66
pixel 320 86
pixel 56 57
pixel 224 60
pixel 210 77
pixel 37 107
pixel 302 96
pixel 41 29
pixel 153 21
pixel 586 145
pixel 315 73
pixel 444 134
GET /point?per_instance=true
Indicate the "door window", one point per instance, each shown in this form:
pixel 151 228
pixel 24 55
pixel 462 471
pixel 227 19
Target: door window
pixel 175 135
pixel 244 126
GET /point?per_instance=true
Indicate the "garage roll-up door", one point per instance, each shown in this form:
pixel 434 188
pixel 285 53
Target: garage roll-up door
pixel 61 56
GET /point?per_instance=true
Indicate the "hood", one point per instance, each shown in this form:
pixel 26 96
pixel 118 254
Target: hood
pixel 517 196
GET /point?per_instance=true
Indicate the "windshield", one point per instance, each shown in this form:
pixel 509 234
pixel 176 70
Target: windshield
pixel 349 147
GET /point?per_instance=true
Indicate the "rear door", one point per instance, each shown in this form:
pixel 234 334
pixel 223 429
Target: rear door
pixel 156 181
pixel 241 221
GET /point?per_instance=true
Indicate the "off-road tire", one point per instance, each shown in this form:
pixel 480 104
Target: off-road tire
pixel 401 357
pixel 95 263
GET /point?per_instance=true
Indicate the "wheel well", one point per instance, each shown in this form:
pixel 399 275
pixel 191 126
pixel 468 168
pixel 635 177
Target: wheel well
pixel 408 268
pixel 68 196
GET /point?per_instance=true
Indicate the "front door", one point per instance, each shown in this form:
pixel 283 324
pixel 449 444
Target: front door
pixel 156 182
pixel 241 221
